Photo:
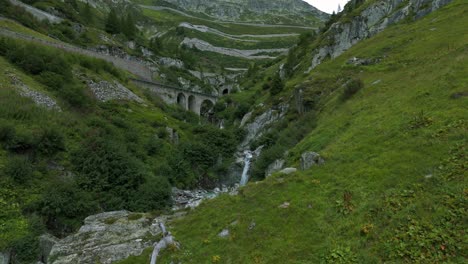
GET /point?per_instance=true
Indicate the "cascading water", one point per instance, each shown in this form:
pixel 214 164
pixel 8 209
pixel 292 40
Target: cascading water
pixel 245 176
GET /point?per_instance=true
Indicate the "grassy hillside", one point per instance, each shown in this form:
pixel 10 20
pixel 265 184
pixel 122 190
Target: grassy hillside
pixel 291 13
pixel 167 22
pixel 59 166
pixel 393 188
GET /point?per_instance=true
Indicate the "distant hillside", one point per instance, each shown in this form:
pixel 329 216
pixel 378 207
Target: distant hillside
pixel 295 12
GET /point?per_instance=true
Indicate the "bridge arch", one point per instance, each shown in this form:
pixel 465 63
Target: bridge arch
pixel 182 101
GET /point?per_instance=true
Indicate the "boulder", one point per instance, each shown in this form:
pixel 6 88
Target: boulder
pixel 309 159
pixel 224 233
pixel 47 242
pixel 277 165
pixel 288 170
pixel 107 237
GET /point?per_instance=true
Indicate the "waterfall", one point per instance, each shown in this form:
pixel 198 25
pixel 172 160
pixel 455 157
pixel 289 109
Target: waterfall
pixel 245 177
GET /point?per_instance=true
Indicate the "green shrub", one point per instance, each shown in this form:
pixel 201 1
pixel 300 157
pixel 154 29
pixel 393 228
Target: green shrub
pixel 26 249
pixel 154 194
pixel 22 141
pixel 19 169
pixel 105 167
pixel 341 255
pixel 50 141
pixel 7 131
pixel 420 120
pixel 51 80
pixel 63 206
pixel 351 88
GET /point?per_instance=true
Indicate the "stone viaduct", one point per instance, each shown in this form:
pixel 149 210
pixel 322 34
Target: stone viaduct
pixel 199 103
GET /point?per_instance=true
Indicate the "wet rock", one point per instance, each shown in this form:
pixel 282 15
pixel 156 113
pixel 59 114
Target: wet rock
pixel 192 198
pixel 309 159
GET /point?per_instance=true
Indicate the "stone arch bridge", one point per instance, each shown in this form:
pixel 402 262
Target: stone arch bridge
pixel 199 103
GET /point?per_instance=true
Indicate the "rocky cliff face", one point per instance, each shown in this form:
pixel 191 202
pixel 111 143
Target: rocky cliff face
pixel 373 19
pixel 241 10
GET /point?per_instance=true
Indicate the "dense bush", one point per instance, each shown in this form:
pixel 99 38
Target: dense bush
pixel 351 88
pixel 106 168
pixel 63 206
pixel 155 193
pixel 19 169
pixel 20 141
pixel 50 141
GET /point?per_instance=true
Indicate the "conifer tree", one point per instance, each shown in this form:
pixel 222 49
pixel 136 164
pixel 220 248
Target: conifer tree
pixel 88 14
pixel 112 23
pixel 128 27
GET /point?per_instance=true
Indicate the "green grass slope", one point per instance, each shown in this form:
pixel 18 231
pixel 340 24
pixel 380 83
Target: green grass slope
pixel 58 167
pixel 393 188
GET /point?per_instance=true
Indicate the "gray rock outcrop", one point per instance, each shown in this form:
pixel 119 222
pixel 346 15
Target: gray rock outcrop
pixel 5 257
pixel 170 62
pixel 184 199
pixel 258 126
pixel 46 243
pixel 106 238
pixel 288 171
pixel 107 91
pixel 372 20
pixel 39 98
pixel 277 165
pixel 309 159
